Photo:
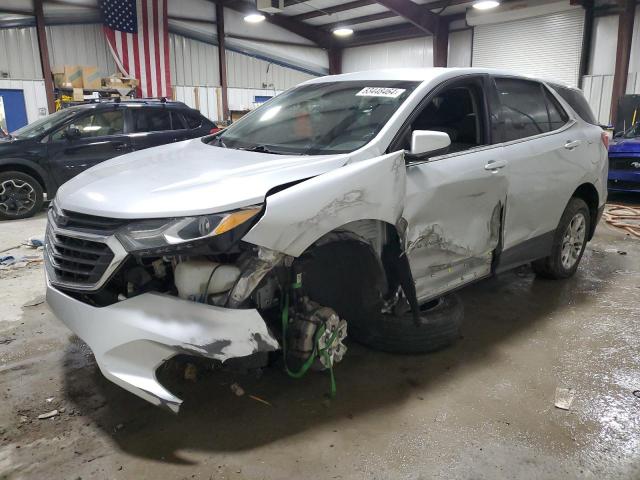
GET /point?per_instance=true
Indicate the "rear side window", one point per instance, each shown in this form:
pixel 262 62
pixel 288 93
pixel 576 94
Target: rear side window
pixel 526 109
pixel 577 101
pixel 151 119
pixel 193 120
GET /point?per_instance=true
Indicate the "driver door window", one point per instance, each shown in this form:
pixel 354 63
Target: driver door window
pixel 98 124
pixel 456 111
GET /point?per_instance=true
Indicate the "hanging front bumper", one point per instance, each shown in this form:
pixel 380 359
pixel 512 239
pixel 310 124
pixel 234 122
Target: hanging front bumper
pixel 132 338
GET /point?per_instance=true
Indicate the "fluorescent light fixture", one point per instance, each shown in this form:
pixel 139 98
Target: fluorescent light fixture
pixel 486 4
pixel 254 18
pixel 342 31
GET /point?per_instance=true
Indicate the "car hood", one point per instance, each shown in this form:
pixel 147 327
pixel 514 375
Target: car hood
pixel 626 145
pixel 185 178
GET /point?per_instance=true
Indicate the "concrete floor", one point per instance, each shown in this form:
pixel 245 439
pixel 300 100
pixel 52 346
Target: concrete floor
pixel 483 409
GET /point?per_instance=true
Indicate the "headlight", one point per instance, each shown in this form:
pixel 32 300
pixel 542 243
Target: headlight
pixel 161 233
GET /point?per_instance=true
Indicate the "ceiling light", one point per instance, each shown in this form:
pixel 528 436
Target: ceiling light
pixel 486 4
pixel 342 32
pixel 254 18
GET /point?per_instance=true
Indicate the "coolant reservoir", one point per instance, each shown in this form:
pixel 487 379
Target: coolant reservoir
pixel 191 278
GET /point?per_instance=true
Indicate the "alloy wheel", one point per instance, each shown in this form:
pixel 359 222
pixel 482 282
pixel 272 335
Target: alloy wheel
pixel 573 241
pixel 16 197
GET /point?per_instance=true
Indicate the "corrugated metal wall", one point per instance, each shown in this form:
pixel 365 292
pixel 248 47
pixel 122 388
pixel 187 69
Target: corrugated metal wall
pixel 193 62
pixel 416 52
pixel 244 71
pixel 598 89
pixel 19 53
pixel 80 45
pixel 548 46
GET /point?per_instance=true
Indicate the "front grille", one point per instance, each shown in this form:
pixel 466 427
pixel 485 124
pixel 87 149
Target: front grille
pixel 87 223
pixel 81 252
pixel 75 260
pixel 623 185
pixel 624 164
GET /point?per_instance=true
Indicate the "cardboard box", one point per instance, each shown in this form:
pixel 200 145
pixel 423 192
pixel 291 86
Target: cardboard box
pixel 78 95
pixel 91 78
pixel 72 76
pixel 118 82
pixel 58 76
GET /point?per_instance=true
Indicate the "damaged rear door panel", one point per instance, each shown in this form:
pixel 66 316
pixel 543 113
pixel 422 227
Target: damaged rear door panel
pixel 453 212
pixel 296 217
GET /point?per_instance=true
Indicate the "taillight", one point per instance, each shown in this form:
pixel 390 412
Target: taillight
pixel 605 139
pixel 214 130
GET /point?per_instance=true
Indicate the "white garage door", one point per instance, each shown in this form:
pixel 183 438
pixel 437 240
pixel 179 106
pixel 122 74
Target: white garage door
pixel 547 47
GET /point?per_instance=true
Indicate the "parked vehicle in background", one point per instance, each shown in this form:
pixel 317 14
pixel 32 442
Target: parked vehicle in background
pixel 350 205
pixel 624 161
pixel 36 159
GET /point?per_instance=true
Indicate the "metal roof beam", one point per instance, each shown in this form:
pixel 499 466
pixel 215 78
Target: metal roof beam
pixel 418 15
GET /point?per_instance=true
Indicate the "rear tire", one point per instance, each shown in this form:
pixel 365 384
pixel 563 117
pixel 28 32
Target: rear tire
pixel 569 243
pixel 21 196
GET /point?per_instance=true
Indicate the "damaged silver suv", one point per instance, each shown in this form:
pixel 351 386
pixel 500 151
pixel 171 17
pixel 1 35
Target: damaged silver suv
pixel 349 206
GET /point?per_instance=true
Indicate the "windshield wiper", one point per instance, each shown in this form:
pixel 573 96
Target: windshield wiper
pixel 263 149
pixel 219 142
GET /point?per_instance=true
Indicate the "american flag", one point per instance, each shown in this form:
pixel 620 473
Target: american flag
pixel 138 36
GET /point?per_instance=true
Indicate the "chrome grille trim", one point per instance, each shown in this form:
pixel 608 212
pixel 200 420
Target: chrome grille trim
pixel 81 254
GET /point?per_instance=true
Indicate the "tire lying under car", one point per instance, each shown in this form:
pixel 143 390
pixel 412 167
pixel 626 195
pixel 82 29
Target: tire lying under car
pixel 346 276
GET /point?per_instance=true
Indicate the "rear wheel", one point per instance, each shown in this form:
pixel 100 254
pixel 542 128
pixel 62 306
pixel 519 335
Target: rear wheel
pixel 21 196
pixel 569 243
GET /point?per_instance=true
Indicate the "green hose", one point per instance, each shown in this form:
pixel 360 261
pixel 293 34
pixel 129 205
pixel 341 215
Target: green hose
pixel 316 350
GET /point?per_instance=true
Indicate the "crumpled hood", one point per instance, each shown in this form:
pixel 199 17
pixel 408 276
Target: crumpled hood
pixel 185 178
pixel 626 145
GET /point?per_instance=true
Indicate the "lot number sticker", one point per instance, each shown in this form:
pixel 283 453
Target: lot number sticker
pixel 380 92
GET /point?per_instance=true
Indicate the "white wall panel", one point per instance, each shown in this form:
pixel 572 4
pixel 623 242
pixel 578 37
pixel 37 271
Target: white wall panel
pixel 416 52
pixel 598 89
pixel 35 97
pixel 80 45
pixel 244 98
pixel 204 99
pixel 193 62
pixel 548 46
pixel 460 46
pixel 634 62
pixel 603 45
pixel 244 71
pixel 19 53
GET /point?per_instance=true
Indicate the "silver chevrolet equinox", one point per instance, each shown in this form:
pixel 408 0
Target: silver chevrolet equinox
pixel 349 206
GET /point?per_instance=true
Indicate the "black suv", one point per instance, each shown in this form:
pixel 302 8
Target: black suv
pixel 41 156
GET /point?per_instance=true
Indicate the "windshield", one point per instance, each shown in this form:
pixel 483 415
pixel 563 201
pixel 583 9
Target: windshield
pixel 45 123
pixel 633 132
pixel 325 118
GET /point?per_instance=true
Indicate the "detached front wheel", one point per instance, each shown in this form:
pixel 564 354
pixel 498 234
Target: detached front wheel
pixel 21 196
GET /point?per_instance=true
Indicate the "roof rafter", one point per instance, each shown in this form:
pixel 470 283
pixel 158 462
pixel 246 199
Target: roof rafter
pixel 316 35
pixel 419 15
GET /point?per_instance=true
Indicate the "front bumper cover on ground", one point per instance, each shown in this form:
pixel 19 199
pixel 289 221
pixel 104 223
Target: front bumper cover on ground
pixel 132 338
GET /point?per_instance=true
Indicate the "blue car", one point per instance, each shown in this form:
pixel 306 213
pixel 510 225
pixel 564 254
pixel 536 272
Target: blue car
pixel 624 161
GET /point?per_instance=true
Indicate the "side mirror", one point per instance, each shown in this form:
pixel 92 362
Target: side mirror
pixel 618 134
pixel 72 132
pixel 429 141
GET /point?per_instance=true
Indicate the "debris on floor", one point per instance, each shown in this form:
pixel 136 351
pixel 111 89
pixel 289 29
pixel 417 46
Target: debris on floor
pixel 35 301
pixel 261 400
pixel 237 389
pixel 18 261
pixel 623 217
pixel 47 415
pixel 34 242
pixel 564 398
